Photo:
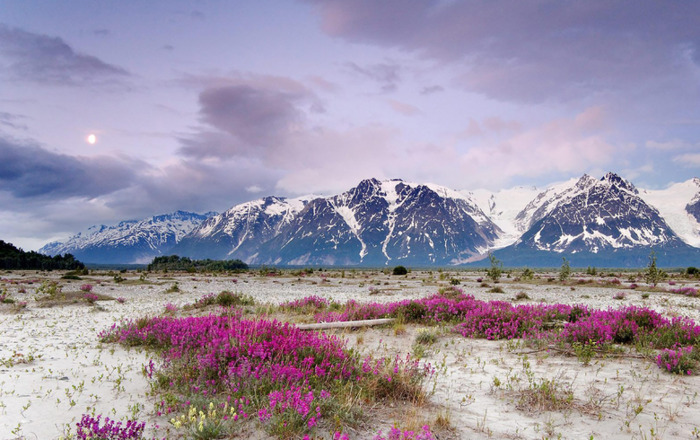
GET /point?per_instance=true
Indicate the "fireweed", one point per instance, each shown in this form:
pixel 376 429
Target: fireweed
pixel 683 360
pixel 90 428
pixel 293 380
pixel 502 320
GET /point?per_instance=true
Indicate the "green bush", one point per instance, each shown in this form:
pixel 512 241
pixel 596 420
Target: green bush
pixel 400 270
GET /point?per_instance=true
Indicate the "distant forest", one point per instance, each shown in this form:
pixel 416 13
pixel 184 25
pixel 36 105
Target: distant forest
pixel 173 262
pixel 12 257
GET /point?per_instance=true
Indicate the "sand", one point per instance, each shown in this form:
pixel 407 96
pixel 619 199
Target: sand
pixel 54 369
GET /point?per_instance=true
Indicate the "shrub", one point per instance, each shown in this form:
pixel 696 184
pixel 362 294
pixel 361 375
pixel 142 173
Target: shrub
pixel 496 270
pixel 652 274
pixel 400 270
pixel 425 336
pixel 565 270
pixel 683 360
pixel 692 271
pixel 521 296
pixel 527 274
pixel 90 428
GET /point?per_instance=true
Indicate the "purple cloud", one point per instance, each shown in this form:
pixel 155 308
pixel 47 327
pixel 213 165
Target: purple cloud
pixel 388 75
pixel 248 117
pixel 514 50
pixel 41 58
pixel 30 171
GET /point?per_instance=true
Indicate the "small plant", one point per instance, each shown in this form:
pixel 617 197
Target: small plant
pixel 121 300
pixel 5 298
pixel 211 422
pixel 652 275
pixel 496 270
pixel 90 297
pixel 527 274
pixel 118 278
pixel 50 289
pixel 400 270
pixel 426 337
pixel 520 296
pixel 174 288
pixel 86 288
pixel 495 289
pixel 170 308
pixel 584 351
pixel 619 295
pixel 682 360
pixel 91 428
pixel 565 270
pixel 455 282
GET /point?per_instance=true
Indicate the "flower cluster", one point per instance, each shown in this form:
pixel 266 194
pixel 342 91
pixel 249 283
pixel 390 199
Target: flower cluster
pixel 209 422
pixel 90 428
pixel 298 371
pixel 679 361
pixel 559 322
pixel 397 434
pixel 90 297
pixel 86 287
pixel 687 291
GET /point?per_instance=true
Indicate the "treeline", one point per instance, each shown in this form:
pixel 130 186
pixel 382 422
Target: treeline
pixel 15 258
pixel 176 263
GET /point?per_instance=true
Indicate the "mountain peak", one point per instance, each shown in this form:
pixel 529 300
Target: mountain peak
pixel 616 180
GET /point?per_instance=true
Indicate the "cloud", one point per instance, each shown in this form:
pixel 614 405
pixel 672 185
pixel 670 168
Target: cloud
pixel 432 89
pixel 45 59
pixel 561 147
pixel 670 145
pixel 689 160
pixel 403 108
pixel 248 117
pixel 30 171
pixel 388 74
pixel 520 51
pixel 12 121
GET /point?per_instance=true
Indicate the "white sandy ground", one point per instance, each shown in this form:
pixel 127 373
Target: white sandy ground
pixel 72 373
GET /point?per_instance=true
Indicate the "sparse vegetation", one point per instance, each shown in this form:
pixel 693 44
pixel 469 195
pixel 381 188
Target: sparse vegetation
pixel 399 270
pixel 496 270
pixel 176 263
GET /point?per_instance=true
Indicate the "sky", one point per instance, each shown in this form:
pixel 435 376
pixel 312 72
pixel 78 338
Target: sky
pixel 201 105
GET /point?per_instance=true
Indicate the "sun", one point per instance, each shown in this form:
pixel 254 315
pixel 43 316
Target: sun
pixel 91 139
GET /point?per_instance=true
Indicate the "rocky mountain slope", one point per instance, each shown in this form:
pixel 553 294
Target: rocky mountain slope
pixel 130 241
pixel 600 222
pixel 593 220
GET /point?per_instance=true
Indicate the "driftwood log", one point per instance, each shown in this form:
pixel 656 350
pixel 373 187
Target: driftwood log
pixel 345 324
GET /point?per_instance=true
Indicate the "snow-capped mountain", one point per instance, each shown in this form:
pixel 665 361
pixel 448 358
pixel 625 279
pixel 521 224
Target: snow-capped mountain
pixel 130 241
pixel 503 207
pixel 600 222
pixel 239 232
pixel 384 222
pixel 606 218
pixel 679 205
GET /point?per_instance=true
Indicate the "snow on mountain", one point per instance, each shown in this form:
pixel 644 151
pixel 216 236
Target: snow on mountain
pixel 679 204
pixel 593 215
pixel 398 222
pixel 502 208
pixel 130 241
pixel 238 232
pixel 378 222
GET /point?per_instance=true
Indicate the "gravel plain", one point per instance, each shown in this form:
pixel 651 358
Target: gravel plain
pixel 54 369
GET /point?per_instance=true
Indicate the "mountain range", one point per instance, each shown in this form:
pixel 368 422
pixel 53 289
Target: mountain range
pixel 605 222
